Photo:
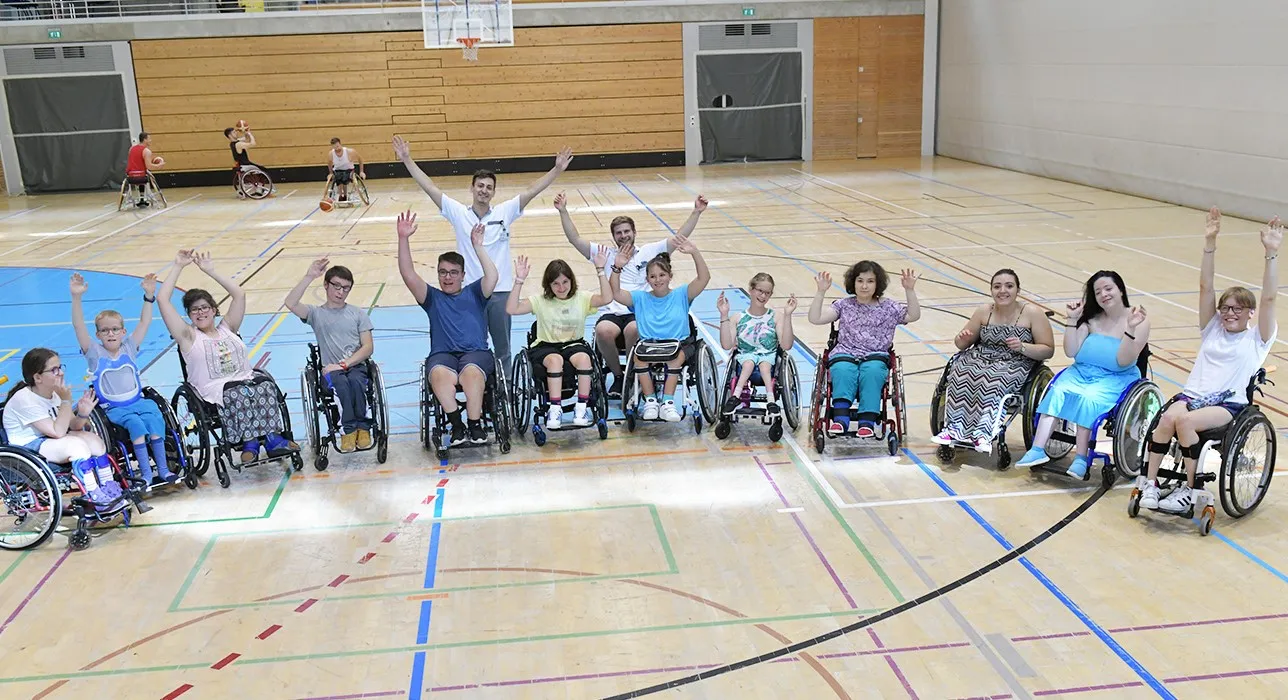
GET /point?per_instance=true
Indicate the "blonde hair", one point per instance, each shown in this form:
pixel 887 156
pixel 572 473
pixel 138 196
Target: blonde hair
pixel 1241 296
pixel 108 314
pixel 761 277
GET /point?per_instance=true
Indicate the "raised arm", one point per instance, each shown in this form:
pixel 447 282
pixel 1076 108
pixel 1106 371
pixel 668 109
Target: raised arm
pixel 1207 287
pixel 620 295
pixel 248 140
pixel 728 331
pixel 562 160
pixel 293 297
pixel 787 334
pixel 1074 334
pixel 179 330
pixel 1134 337
pixel 686 230
pixel 703 276
pixel 909 281
pixel 237 296
pixel 149 285
pixel 820 315
pixel 415 283
pixel 582 245
pixel 78 289
pixel 605 294
pixel 490 273
pixel 1271 238
pixel 514 305
pixel 403 151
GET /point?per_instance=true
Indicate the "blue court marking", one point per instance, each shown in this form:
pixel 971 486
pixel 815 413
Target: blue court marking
pixel 417 684
pixel 1256 559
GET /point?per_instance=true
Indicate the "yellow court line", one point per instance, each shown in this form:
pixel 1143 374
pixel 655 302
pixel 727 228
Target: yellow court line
pixel 10 354
pixel 271 330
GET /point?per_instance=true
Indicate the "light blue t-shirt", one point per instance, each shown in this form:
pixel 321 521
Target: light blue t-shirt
pixel 456 321
pixel 662 318
pixel 116 380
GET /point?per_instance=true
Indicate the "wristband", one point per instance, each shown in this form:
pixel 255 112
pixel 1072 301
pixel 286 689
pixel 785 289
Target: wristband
pixel 520 280
pixel 1129 335
pixel 344 365
pixel 150 301
pixel 1271 257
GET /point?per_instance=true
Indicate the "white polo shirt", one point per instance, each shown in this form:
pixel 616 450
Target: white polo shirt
pixel 634 277
pixel 496 238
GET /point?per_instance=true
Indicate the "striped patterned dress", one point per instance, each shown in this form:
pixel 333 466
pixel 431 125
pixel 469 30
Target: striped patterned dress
pixel 985 372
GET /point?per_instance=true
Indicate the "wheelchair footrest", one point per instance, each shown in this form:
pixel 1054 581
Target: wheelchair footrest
pixel 1179 475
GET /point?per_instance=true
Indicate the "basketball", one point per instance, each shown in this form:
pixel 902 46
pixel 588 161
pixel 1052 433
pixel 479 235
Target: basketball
pixel 158 161
pixel 242 125
pixel 326 205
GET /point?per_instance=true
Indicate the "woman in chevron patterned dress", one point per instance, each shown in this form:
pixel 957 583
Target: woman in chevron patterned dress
pixel 1002 342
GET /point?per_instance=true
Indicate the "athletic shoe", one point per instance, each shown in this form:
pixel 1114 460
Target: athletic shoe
pixel 348 442
pixel 945 437
pixel 1148 493
pixel 651 408
pixel 835 428
pixel 477 435
pixel 1179 501
pixel 364 438
pixel 865 430
pixel 581 415
pixel 731 404
pixel 1034 457
pixel 1078 467
pixel 554 417
pixel 772 409
pixel 669 412
pixel 459 436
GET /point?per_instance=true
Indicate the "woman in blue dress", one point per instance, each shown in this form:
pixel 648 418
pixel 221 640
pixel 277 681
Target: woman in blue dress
pixel 1104 335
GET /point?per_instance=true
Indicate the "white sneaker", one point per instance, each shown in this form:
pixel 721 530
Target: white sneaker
pixel 581 414
pixel 1148 493
pixel 945 437
pixel 650 409
pixel 1179 501
pixel 669 412
pixel 554 417
pixel 984 445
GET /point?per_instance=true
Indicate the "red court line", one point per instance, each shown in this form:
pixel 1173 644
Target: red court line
pixel 177 692
pixel 428 499
pixel 367 557
pixel 442 483
pixel 412 516
pixel 389 538
pixel 268 632
pixel 335 583
pixel 225 661
pixel 306 605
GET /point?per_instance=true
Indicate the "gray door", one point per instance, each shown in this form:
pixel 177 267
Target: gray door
pixel 750 106
pixel 71 132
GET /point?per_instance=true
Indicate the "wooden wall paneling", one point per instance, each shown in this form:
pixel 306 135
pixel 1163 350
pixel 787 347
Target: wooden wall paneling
pixel 899 88
pixel 869 52
pixel 544 146
pixel 836 80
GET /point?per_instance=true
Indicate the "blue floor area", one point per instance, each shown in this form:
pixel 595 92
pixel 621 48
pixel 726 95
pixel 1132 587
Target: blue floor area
pixel 37 313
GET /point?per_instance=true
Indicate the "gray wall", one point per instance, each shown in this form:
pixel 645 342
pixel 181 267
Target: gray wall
pixel 1180 100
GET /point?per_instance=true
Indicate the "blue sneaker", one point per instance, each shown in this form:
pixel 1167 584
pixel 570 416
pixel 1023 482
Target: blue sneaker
pixel 1033 458
pixel 1078 467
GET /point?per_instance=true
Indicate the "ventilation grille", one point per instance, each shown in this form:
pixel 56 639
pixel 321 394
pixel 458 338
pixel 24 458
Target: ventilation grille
pixel 758 35
pixel 40 60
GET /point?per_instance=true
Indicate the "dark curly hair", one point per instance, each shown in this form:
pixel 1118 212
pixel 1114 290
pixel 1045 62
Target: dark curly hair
pixel 867 266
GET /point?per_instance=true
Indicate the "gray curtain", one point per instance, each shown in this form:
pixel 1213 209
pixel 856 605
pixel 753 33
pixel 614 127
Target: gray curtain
pixel 71 132
pixel 749 106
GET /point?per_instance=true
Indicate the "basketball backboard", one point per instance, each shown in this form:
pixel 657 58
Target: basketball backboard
pixel 467 24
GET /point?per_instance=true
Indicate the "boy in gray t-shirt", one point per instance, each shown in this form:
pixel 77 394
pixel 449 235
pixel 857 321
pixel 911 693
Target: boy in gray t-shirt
pixel 343 334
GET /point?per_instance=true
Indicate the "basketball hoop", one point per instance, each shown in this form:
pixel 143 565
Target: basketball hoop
pixel 469 47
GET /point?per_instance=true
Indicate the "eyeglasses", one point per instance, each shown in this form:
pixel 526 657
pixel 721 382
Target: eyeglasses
pixel 199 309
pixel 449 273
pixel 340 287
pixel 1232 309
pixel 111 331
pixel 54 370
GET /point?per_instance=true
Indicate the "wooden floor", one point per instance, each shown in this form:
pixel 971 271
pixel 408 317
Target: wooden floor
pixel 588 568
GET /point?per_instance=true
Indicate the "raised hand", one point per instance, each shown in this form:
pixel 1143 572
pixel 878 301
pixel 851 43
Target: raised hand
pixel 402 150
pixel 700 204
pixel 791 305
pixel 1073 311
pixel 684 245
pixel 204 262
pixel 476 234
pixel 183 258
pixel 521 267
pixel 62 389
pixel 318 268
pixel 601 258
pixel 966 334
pixel 406 224
pixel 722 305
pixel 87 402
pixel 78 284
pixel 1272 236
pixel 1136 318
pixel 908 279
pixel 563 159
pixel 824 281
pixel 149 284
pixel 561 202
pixel 1213 225
pixel 624 255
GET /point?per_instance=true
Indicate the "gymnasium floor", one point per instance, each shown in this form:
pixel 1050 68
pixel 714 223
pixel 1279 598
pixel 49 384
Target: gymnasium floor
pixel 588 568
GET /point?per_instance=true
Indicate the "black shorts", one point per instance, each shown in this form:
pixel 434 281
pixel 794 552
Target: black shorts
pixel 539 352
pixel 458 361
pixel 137 180
pixel 343 177
pixel 621 321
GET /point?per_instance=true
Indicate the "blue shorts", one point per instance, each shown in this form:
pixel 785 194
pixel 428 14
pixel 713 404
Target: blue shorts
pixel 34 445
pixel 1233 408
pixel 458 361
pixel 141 419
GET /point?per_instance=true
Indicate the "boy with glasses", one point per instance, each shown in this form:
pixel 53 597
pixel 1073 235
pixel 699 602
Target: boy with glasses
pixel 343 332
pixel 117 383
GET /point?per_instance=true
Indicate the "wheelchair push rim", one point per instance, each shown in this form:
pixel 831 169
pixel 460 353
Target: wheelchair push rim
pixel 31 499
pixel 1131 427
pixel 708 391
pixel 790 388
pixel 1248 464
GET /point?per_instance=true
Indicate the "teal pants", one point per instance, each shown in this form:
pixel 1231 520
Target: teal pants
pixel 862 380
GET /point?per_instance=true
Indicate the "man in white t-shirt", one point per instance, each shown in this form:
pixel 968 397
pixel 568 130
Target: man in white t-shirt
pixel 615 330
pixel 496 233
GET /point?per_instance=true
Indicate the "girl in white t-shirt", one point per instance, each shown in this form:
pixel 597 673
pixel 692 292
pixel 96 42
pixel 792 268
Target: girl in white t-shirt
pixel 1231 350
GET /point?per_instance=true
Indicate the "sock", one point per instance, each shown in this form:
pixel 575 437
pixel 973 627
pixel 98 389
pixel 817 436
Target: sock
pixel 157 446
pixel 103 470
pixel 841 412
pixel 668 397
pixel 582 398
pixel 84 471
pixel 145 462
pixel 455 418
pixel 474 423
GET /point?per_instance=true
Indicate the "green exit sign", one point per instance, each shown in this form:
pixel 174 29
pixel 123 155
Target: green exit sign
pixel 55 33
pixel 748 12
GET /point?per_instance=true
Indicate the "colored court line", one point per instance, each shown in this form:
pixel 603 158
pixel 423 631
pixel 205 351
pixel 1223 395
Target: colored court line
pixel 17 560
pixel 1256 559
pixel 177 692
pixel 427 596
pixel 36 589
pixel 220 664
pixel 9 354
pixel 268 512
pixel 268 632
pixel 272 329
pixel 416 685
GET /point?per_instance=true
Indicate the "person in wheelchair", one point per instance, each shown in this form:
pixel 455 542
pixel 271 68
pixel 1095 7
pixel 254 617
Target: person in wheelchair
pixel 661 313
pixel 240 143
pixel 458 351
pixel 341 164
pixel 616 329
pixel 561 312
pixel 39 416
pixel 343 333
pixel 1104 335
pixel 218 364
pixel 1000 345
pixel 138 163
pixel 755 339
pixel 116 381
pixel 866 321
pixel 1232 349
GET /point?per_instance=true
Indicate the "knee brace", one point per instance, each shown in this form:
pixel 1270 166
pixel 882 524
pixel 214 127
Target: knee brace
pixel 1192 451
pixel 554 375
pixel 1159 448
pixel 585 372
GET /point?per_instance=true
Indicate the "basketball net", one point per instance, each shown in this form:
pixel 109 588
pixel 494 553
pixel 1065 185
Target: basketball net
pixel 469 47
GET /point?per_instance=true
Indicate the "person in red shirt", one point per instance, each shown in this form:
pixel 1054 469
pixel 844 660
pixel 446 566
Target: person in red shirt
pixel 139 162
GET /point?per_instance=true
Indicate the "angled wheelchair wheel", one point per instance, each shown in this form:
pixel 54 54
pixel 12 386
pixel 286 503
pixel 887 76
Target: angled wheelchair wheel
pixel 939 405
pixel 630 391
pixel 312 417
pixel 1033 391
pixel 426 411
pixel 1248 463
pixel 522 394
pixel 360 185
pixel 379 411
pixel 30 497
pixel 789 387
pixel 1131 426
pixel 723 426
pixel 256 184
pixel 601 399
pixel 155 193
pixel 1055 449
pixel 708 391
pixel 125 191
pixel 819 405
pixel 900 403
pixel 501 410
pixel 190 414
pixel 178 448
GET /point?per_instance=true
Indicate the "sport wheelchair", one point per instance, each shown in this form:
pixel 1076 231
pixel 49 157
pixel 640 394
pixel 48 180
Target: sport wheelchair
pixel 252 181
pixel 1024 403
pixel 530 397
pixel 37 494
pixel 698 377
pixel 436 433
pixel 754 397
pixel 151 193
pixel 356 184
pixel 1246 448
pixel 178 448
pixel 1124 424
pixel 205 431
pixel 893 428
pixel 317 395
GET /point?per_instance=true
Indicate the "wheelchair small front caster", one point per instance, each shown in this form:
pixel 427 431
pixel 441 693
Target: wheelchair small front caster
pixel 78 540
pixel 1205 521
pixel 944 453
pixel 723 429
pixel 1133 503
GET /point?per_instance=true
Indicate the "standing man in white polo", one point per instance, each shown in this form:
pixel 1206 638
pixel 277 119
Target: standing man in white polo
pixel 496 234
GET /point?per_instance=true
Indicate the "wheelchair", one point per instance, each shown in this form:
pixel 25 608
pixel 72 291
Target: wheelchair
pixel 178 448
pixel 151 194
pixel 1024 403
pixel 1246 448
pixel 698 377
pixel 252 181
pixel 754 397
pixel 894 412
pixel 436 433
pixel 318 398
pixel 37 494
pixel 205 432
pixel 356 184
pixel 530 398
pixel 1125 425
